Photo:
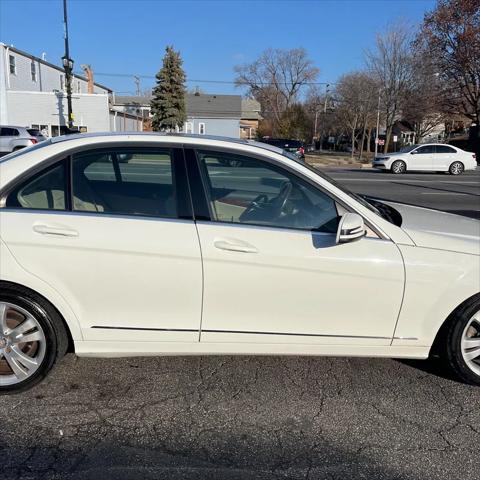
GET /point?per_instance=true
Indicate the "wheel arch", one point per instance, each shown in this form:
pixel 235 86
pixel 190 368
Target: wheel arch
pixel 5 284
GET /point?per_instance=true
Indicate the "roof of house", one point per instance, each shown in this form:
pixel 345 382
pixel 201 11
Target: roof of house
pixel 250 109
pixel 48 64
pixel 198 104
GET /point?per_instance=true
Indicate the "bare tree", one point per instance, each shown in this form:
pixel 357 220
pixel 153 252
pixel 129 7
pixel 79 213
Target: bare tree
pixel 356 95
pixel 450 36
pixel 423 105
pixel 390 64
pixel 275 80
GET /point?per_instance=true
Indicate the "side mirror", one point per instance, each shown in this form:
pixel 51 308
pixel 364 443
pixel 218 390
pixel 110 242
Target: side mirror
pixel 350 228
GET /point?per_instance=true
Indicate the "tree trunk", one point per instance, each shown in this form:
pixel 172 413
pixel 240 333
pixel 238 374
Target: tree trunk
pixel 369 137
pixel 387 138
pixel 363 141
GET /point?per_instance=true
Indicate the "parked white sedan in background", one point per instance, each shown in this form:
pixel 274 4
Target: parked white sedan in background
pixel 428 157
pixel 137 244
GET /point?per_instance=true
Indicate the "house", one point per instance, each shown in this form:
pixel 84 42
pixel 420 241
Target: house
pixel 33 94
pixel 250 118
pixel 207 114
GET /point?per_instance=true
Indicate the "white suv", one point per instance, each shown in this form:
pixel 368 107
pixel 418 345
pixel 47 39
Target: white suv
pixel 427 157
pixel 14 138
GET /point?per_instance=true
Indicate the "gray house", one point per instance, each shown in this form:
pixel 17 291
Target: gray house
pixel 207 114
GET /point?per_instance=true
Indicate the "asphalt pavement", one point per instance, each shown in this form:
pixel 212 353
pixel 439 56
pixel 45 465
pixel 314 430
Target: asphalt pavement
pixel 254 417
pixel 456 194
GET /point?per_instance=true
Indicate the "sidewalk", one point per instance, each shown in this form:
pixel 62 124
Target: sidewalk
pixel 334 160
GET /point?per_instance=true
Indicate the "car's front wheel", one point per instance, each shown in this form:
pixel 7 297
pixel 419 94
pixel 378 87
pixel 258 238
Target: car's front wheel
pixel 462 343
pixel 398 166
pixel 32 337
pixel 456 168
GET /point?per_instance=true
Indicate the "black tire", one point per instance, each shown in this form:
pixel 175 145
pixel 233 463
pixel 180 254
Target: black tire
pixel 17 148
pixel 53 329
pixel 398 167
pixel 456 168
pixel 452 349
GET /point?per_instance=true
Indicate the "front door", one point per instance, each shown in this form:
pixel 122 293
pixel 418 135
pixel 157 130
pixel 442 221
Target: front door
pixel 422 158
pixel 118 251
pixel 273 272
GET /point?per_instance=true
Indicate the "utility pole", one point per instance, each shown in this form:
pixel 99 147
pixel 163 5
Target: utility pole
pixel 378 125
pixel 68 67
pixel 136 79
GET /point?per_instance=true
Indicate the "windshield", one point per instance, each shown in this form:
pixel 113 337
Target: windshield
pixel 408 149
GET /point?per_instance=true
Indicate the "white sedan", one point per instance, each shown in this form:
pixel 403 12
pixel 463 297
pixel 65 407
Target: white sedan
pixel 429 157
pixel 138 244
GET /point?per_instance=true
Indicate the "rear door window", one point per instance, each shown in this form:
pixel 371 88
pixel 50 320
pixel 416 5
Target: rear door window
pixel 125 181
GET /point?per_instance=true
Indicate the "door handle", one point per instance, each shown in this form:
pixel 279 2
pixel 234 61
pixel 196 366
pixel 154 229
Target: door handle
pixel 234 246
pixel 55 230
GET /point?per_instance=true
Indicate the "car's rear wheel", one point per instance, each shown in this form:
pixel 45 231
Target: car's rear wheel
pixel 462 343
pixel 32 337
pixel 456 168
pixel 398 166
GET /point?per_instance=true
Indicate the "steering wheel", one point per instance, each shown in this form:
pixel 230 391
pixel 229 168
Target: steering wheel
pixel 258 203
pixel 281 200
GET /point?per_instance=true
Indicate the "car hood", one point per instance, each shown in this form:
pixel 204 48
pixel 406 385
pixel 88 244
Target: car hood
pixel 435 229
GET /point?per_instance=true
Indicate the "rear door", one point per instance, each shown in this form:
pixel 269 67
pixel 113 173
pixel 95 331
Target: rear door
pixel 444 157
pixel 117 240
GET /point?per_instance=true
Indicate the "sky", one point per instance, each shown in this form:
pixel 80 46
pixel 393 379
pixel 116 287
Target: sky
pixel 123 38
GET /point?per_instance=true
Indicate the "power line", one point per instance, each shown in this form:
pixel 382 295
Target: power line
pixel 225 82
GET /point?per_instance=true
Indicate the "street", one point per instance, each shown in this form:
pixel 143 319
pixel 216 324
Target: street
pixel 455 194
pixel 254 417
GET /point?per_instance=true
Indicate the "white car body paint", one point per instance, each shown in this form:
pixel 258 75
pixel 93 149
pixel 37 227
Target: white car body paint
pixel 426 162
pixel 293 294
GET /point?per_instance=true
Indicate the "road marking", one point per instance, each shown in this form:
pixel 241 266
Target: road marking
pixel 444 193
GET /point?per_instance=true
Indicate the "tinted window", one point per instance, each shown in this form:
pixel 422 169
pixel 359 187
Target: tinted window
pixel 34 132
pixel 426 149
pixel 125 181
pixel 44 191
pixel 9 132
pixel 250 191
pixel 445 149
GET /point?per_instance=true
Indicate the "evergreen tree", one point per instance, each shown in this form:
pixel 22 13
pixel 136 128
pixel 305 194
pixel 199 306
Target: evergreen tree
pixel 168 101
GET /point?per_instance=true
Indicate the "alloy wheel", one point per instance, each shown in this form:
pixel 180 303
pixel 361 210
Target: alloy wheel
pixel 22 344
pixel 398 167
pixel 456 168
pixel 471 344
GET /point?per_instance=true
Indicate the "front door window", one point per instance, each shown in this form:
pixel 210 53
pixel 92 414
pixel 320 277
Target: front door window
pixel 248 191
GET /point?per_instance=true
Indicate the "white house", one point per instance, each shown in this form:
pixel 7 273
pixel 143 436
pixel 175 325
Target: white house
pixel 33 94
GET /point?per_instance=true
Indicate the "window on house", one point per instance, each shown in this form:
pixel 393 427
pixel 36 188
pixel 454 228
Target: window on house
pixel 33 71
pixel 201 128
pixel 188 127
pixel 62 82
pixel 13 66
pixel 78 87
